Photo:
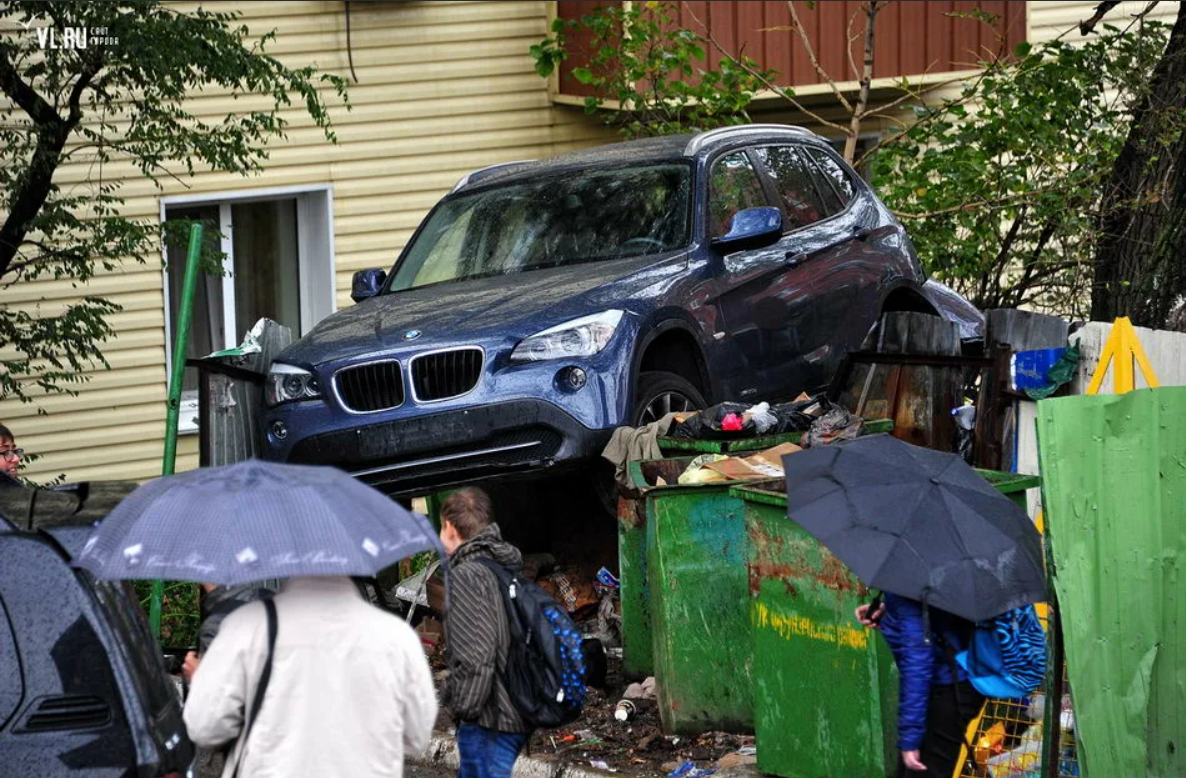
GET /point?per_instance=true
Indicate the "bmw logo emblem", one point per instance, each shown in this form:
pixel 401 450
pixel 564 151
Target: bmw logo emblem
pixel 412 334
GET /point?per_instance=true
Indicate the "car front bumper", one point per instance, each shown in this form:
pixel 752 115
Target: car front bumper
pixel 421 453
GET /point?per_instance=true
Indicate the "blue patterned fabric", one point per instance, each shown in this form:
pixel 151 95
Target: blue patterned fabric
pixel 1007 656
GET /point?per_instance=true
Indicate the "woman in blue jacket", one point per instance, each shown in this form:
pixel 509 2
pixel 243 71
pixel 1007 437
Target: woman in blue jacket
pixel 934 709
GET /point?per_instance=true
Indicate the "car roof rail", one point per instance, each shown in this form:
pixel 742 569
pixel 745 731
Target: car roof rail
pixel 481 173
pixel 703 139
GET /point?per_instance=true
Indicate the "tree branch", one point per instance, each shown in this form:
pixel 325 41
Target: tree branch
pixel 972 206
pixel 858 113
pixel 1087 26
pixel 969 94
pixel 823 74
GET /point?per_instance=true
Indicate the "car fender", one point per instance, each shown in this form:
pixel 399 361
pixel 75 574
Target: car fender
pixel 660 324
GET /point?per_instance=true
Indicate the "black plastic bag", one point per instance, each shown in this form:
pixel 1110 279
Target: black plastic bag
pixel 706 425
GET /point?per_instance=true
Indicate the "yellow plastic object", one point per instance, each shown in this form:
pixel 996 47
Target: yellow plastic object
pixel 1123 348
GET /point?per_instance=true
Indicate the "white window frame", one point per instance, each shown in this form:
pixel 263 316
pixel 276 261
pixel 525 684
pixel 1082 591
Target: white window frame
pixel 315 228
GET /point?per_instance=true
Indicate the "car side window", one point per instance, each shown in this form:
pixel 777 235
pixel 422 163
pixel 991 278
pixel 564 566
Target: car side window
pixel 733 186
pixel 802 203
pixel 834 174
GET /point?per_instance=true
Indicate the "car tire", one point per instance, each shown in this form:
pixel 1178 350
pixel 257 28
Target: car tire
pixel 652 386
pixel 659 393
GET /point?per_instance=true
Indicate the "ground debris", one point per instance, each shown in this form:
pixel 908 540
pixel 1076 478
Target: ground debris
pixel 634 747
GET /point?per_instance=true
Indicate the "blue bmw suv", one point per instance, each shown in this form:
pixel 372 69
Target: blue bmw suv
pixel 542 304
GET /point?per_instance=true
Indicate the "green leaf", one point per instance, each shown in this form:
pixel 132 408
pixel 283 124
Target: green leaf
pixel 584 75
pixel 1022 50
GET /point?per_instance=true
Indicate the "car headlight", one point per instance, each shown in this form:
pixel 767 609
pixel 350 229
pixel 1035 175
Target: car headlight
pixel 287 383
pixel 581 337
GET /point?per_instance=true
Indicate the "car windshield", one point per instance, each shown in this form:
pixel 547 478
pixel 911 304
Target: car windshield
pixel 584 216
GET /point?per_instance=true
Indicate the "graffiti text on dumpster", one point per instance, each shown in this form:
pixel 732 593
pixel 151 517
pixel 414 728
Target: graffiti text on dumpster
pixel 790 626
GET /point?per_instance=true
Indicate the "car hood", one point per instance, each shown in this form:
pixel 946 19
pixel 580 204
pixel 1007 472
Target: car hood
pixel 456 312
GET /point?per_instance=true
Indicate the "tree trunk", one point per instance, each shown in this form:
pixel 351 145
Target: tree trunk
pixel 1140 270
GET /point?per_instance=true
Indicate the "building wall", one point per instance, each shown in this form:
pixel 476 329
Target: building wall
pixel 444 88
pixel 1052 18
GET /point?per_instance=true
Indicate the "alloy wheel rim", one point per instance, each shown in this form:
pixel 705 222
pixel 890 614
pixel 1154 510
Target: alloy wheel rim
pixel 663 404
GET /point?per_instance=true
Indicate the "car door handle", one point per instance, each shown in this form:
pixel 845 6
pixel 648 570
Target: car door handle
pixel 796 259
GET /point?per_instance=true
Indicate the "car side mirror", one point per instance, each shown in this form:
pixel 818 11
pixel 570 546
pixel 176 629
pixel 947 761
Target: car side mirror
pixel 751 228
pixel 367 284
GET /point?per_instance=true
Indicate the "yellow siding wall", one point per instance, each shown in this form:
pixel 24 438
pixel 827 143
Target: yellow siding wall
pixel 1051 18
pixel 444 88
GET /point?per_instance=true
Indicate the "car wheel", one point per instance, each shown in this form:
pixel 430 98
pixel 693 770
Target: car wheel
pixel 659 393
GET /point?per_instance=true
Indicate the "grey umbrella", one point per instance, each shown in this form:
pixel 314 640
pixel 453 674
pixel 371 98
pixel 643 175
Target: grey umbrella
pixel 252 521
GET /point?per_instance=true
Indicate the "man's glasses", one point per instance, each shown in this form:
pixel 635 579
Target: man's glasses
pixel 12 453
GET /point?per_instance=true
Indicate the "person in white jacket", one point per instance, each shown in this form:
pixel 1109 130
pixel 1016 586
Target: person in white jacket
pixel 350 693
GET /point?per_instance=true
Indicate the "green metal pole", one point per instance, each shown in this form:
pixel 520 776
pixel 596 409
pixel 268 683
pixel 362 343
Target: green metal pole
pixel 180 344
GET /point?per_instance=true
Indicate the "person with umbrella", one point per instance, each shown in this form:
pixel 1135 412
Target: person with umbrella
pixel 936 701
pixel 945 547
pixel 314 681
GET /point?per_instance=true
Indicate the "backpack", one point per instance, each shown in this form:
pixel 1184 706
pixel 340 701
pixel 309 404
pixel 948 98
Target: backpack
pixel 1006 657
pixel 545 671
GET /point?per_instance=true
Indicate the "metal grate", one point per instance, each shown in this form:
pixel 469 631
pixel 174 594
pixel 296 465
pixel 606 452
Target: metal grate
pixel 376 386
pixel 1010 736
pixel 445 374
pixel 68 712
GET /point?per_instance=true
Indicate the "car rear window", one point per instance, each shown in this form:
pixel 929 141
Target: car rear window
pixel 803 203
pixel 583 216
pixel 834 175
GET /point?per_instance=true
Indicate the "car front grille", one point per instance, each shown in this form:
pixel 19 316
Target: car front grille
pixel 445 374
pixel 378 386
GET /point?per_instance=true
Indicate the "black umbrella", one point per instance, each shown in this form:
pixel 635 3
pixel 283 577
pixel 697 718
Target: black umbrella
pixel 918 523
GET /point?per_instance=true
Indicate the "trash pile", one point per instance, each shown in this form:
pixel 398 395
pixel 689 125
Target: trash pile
pixel 619 731
pixel 709 468
pixel 734 421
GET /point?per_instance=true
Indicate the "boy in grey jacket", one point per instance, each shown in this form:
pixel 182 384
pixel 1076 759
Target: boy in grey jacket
pixel 490 731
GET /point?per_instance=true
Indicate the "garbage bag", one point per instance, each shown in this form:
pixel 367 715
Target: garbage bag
pixel 836 424
pixel 799 415
pixel 706 425
pixel 965 431
pixel 1059 374
pixel 778 419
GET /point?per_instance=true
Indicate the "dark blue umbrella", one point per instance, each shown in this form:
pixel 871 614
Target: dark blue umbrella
pixel 253 521
pixel 918 523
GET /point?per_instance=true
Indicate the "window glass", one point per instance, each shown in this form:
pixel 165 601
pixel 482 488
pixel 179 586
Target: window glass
pixel 802 203
pixel 267 277
pixel 584 216
pixel 734 186
pixel 831 170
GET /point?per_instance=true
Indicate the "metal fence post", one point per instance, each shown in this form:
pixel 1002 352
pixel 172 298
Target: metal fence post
pixel 180 343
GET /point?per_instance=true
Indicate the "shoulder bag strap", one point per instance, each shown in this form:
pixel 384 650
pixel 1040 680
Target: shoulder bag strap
pixel 262 686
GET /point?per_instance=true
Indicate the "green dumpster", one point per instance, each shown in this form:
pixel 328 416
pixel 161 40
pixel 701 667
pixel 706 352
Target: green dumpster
pixel 695 587
pixel 638 659
pixel 637 640
pixel 825 688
